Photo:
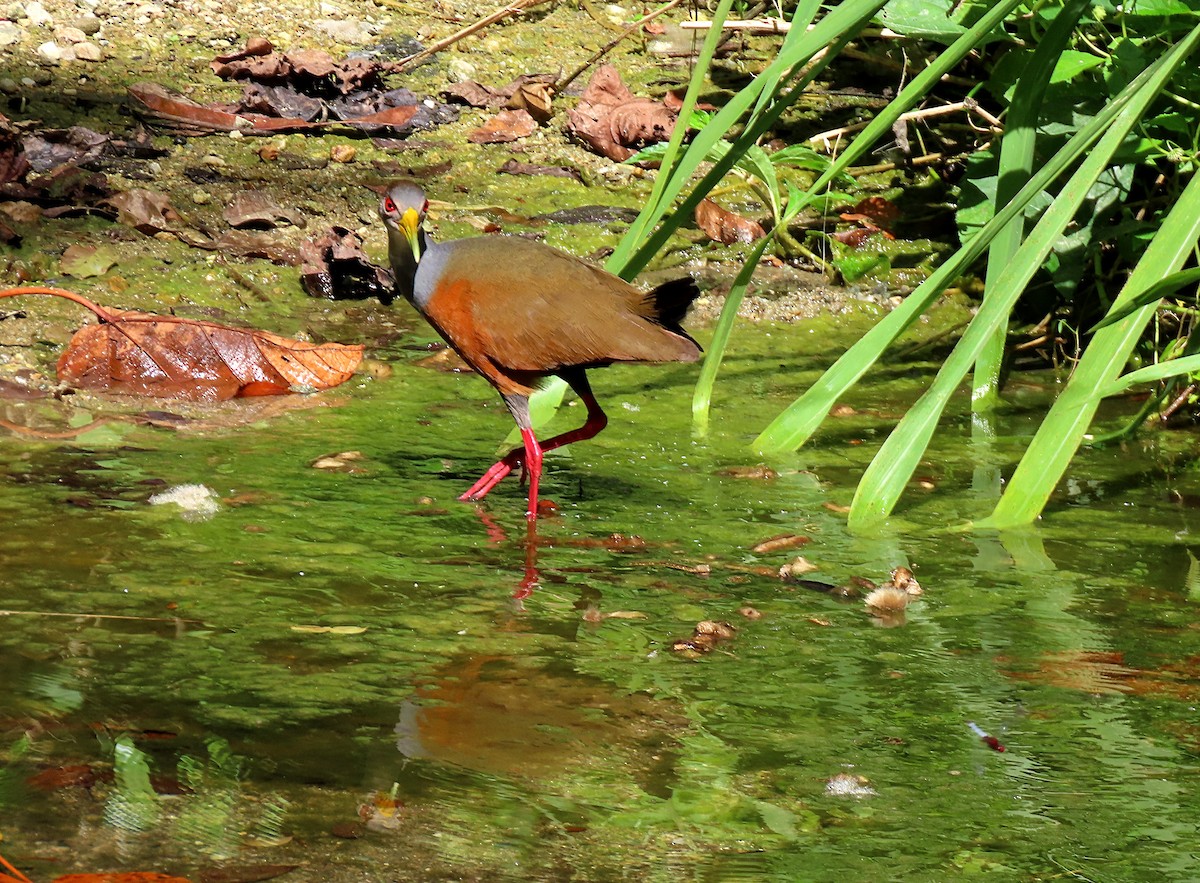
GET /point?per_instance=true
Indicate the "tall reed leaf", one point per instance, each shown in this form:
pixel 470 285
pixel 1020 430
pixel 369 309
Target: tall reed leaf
pixel 893 465
pixel 1015 165
pixel 796 424
pixel 1063 430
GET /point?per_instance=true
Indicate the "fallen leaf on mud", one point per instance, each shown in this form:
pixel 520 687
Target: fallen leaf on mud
pixel 611 121
pixel 530 92
pixel 59 777
pixel 9 236
pixel 244 873
pixel 535 98
pixel 856 237
pixel 187 117
pixel 516 167
pixel 312 71
pixel 795 568
pixel 85 261
pixel 874 213
pixel 780 542
pixel 334 266
pixel 51 148
pixel 142 354
pixel 145 210
pixel 507 125
pixel 725 226
pixel 254 208
pixel 22 212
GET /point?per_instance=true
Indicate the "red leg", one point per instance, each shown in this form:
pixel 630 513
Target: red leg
pixel 596 421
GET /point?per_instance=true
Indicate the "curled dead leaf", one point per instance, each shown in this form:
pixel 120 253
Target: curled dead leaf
pixel 725 226
pixel 507 125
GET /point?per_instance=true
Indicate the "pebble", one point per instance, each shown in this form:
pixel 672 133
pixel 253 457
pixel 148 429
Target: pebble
pixel 37 14
pixel 349 31
pixel 201 197
pixel 50 51
pixel 16 12
pixel 10 33
pixel 88 24
pixel 460 70
pixel 86 51
pixel 9 86
pixel 69 35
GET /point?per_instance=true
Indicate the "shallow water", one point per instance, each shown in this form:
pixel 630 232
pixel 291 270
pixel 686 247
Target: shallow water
pixel 333 671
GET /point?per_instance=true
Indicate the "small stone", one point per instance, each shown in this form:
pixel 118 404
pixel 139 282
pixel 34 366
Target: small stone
pixel 330 10
pixel 342 153
pixel 201 197
pixel 16 12
pixel 213 160
pixel 86 51
pixel 50 51
pixel 9 86
pixel 28 82
pixel 42 78
pixel 37 14
pixel 10 33
pixel 460 70
pixel 348 31
pixel 69 35
pixel 89 24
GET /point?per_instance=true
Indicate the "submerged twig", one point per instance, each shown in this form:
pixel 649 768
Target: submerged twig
pixel 510 9
pixel 171 619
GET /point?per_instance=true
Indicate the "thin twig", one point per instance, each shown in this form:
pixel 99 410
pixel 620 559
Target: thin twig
pixel 929 159
pixel 171 619
pixel 510 9
pixel 969 105
pixel 1178 403
pixel 634 28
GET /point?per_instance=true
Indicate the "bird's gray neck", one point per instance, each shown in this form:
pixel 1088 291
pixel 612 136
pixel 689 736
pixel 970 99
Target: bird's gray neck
pixel 404 264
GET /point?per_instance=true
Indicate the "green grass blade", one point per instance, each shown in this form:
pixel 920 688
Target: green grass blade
pixel 1016 165
pixel 796 424
pixel 1064 428
pixel 1152 374
pixel 702 396
pixel 893 465
pixel 1156 292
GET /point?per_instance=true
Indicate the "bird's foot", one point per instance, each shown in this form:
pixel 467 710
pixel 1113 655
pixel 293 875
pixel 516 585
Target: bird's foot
pixel 495 475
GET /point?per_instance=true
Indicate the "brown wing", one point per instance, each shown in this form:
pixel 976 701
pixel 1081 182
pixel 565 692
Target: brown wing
pixel 527 307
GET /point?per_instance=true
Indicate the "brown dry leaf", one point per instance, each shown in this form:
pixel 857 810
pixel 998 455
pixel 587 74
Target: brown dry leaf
pixel 506 126
pixel 472 94
pixel 164 106
pixel 611 121
pixel 143 354
pixel 56 778
pixel 725 226
pixel 147 211
pixel 536 98
pixel 254 208
pixel 781 542
pixel 874 213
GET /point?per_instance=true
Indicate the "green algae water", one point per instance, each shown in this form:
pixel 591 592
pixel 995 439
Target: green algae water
pixel 338 669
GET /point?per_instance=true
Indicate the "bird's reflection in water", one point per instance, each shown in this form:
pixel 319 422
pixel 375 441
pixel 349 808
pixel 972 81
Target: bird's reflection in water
pixel 497 536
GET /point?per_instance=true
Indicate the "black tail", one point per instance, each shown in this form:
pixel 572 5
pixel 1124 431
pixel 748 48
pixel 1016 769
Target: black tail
pixel 670 302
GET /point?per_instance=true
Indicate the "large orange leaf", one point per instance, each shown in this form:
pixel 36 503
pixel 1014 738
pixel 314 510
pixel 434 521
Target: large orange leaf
pixel 130 877
pixel 169 357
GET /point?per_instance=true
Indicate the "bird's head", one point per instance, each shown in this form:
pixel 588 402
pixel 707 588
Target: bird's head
pixel 403 211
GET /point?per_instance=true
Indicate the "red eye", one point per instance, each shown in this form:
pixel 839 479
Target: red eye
pixel 389 206
pixel 425 207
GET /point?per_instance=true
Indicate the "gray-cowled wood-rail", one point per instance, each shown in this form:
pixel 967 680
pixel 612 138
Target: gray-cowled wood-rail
pixel 518 312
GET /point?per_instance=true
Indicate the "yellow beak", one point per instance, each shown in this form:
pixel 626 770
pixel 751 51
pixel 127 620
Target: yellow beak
pixel 410 223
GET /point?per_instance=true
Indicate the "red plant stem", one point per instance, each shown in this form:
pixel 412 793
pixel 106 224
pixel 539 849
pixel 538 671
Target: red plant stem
pixel 103 314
